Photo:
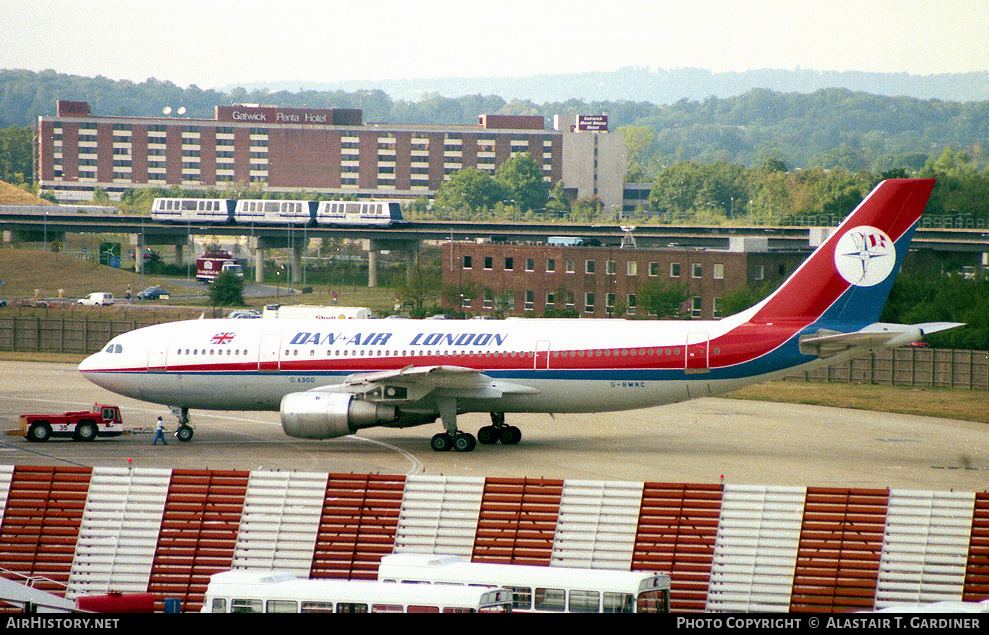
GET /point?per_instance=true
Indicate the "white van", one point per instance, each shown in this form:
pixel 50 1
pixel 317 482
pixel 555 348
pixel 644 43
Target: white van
pixel 97 299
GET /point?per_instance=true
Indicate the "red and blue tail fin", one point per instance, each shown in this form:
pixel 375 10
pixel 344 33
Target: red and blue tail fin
pixel 847 280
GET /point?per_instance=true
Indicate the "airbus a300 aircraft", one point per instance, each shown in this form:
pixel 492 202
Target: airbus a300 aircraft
pixel 330 378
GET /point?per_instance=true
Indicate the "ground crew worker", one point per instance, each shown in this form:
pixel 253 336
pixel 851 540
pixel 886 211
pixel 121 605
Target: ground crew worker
pixel 159 433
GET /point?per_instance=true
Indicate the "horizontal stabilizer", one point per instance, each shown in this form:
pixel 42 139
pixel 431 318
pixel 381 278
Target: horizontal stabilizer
pixel 879 335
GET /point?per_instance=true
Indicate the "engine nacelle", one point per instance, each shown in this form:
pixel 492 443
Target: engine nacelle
pixel 321 415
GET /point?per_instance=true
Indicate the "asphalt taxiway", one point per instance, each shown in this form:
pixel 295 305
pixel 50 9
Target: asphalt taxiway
pixel 708 440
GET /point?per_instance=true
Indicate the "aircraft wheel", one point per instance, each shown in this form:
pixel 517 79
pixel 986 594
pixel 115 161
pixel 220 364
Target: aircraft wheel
pixel 441 442
pixel 510 435
pixel 487 435
pixel 184 433
pixel 464 442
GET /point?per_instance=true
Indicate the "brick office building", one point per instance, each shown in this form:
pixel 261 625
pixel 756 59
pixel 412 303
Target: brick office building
pixel 599 282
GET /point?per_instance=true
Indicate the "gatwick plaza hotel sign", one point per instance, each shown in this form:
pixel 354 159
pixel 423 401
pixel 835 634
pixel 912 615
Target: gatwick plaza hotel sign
pixel 268 115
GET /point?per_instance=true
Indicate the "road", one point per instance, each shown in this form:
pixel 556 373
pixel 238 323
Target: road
pixel 703 441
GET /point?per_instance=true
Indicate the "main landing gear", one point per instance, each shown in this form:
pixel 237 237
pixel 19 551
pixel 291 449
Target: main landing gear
pixel 184 431
pixel 465 442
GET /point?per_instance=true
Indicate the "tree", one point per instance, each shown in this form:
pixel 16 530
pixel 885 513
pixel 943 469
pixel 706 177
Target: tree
pixel 469 188
pixel 719 189
pixel 746 296
pixel 227 289
pixel 16 155
pixel 663 300
pixel 640 144
pixel 521 180
pixel 456 294
pixel 420 288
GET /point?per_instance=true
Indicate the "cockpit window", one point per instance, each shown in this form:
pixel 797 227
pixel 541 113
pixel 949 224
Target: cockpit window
pixel 114 348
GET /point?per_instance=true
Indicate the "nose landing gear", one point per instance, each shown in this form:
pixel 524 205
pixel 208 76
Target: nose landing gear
pixel 184 432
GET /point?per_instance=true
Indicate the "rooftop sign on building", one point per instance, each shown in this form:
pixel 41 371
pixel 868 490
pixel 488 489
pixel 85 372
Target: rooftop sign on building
pixel 269 115
pixel 73 108
pixel 592 123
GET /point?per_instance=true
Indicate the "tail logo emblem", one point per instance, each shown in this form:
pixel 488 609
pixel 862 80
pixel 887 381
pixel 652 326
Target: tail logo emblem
pixel 865 256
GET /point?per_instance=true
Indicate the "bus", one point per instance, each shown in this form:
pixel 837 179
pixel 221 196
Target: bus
pixel 538 589
pixel 264 591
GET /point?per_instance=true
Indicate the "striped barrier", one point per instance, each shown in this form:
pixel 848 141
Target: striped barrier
pixel 80 531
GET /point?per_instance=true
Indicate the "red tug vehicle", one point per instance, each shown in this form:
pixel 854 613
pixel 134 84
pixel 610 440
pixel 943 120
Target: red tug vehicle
pixel 82 425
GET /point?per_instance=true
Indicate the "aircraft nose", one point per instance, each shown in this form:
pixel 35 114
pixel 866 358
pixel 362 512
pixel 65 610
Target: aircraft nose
pixel 89 364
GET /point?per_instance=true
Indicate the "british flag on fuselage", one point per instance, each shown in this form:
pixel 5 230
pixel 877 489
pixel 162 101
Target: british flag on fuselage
pixel 399 373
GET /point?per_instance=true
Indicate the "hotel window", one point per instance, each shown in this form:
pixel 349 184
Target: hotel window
pixel 509 264
pixel 696 270
pixel 530 264
pixel 488 262
pixel 589 303
pixel 569 266
pixel 550 299
pixel 674 269
pixel 610 267
pixel 588 266
pixel 632 268
pixel 550 265
pixel 654 269
pixel 632 300
pixel 718 272
pixel 530 300
pixel 468 262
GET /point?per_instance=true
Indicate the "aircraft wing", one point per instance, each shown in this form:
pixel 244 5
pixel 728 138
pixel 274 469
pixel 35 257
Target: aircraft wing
pixel 879 335
pixel 414 383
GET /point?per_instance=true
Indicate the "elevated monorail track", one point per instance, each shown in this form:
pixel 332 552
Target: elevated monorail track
pixel 681 236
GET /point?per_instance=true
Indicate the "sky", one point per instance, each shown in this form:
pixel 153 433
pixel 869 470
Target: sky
pixel 216 43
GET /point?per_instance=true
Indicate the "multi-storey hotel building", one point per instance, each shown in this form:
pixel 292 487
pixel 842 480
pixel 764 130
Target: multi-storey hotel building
pixel 319 150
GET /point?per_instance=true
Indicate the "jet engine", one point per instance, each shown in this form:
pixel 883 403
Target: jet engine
pixel 322 415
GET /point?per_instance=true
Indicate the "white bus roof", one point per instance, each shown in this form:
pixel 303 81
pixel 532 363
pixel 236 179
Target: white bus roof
pixel 284 585
pixel 448 569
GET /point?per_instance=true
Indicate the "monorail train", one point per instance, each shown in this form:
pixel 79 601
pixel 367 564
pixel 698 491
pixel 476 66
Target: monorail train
pixel 358 213
pixel 200 210
pixel 276 212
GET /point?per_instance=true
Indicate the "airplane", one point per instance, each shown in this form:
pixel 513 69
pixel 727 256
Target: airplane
pixel 331 378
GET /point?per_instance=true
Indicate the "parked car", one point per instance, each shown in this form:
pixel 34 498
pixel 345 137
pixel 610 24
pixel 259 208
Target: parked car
pixel 152 293
pixel 97 299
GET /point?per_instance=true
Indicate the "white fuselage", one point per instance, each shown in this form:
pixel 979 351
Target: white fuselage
pixel 571 365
